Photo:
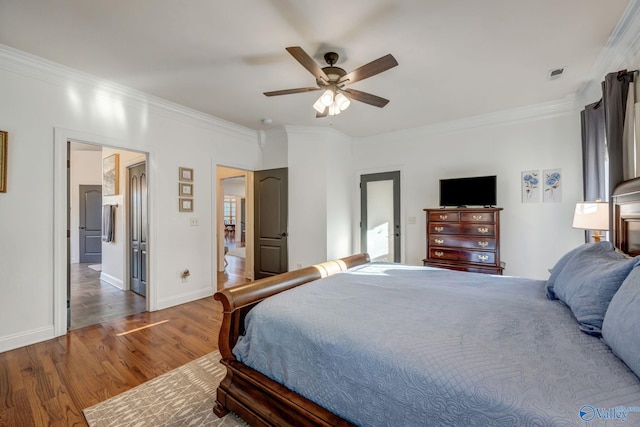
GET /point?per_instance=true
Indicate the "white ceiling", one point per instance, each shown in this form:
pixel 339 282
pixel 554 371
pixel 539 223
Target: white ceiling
pixel 457 58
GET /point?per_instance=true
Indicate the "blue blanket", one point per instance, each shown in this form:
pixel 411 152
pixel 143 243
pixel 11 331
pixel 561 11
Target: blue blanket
pixel 394 345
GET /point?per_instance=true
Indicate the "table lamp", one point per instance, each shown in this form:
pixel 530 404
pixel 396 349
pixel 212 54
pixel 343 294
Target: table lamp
pixel 592 216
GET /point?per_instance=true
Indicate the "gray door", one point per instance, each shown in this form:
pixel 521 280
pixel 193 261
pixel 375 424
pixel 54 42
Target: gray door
pixel 90 233
pixel 380 215
pixel 271 213
pixel 138 228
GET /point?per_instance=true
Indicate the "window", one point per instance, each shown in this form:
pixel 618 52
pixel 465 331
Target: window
pixel 229 210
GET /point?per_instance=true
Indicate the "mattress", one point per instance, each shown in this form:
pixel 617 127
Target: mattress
pixel 389 344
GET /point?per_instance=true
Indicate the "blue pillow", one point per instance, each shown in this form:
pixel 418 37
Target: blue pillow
pixel 621 326
pixel 588 282
pixel 603 246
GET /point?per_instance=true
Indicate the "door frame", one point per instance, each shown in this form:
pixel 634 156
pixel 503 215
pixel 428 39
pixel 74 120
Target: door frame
pixel 217 225
pixel 61 258
pixel 357 208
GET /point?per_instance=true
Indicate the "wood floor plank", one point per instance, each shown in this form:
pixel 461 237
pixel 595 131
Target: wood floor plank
pixel 49 383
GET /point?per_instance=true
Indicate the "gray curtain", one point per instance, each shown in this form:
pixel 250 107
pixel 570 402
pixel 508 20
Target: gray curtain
pixel 593 155
pixel 615 89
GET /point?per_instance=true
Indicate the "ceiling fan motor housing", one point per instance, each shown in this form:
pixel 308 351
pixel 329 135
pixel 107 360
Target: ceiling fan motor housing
pixel 334 74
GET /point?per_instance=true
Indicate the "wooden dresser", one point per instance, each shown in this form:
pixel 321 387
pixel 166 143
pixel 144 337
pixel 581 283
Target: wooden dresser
pixel 466 239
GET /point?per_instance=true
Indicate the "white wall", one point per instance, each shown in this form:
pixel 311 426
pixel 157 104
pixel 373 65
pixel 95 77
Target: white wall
pixel 43 106
pixel 320 194
pixel 533 236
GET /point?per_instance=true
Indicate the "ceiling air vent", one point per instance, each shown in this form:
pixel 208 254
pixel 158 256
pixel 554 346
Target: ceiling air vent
pixel 555 74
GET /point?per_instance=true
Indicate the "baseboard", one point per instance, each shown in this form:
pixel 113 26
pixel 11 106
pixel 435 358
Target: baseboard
pixel 185 298
pixel 113 281
pixel 11 342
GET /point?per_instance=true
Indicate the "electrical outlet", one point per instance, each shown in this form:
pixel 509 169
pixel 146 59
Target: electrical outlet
pixel 194 221
pixel 412 220
pixel 298 266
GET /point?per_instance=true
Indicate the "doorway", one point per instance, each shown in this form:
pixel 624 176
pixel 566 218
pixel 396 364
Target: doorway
pixel 234 222
pixel 380 216
pixel 97 286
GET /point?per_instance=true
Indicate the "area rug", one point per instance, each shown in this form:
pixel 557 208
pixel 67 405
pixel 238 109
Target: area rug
pixel 96 267
pixel 182 397
pixel 239 252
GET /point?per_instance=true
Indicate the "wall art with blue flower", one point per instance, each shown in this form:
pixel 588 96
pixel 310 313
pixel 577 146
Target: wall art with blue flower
pixel 552 181
pixel 531 184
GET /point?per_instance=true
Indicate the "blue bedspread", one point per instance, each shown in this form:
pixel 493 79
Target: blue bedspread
pixel 394 345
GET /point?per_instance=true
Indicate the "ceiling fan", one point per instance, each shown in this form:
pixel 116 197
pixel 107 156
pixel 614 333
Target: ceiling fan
pixel 333 82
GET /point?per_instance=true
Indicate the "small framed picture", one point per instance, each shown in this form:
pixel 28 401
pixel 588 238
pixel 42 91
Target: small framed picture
pixel 185 205
pixel 110 173
pixel 186 174
pixel 185 190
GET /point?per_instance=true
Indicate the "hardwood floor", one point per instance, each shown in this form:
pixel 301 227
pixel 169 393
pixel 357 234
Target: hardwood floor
pixel 93 301
pixel 49 383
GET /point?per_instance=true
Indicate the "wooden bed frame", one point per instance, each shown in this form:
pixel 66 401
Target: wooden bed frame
pixel 254 397
pixel 261 401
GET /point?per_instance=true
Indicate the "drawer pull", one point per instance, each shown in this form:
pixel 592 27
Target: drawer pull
pixel 439 241
pixel 483 244
pixel 483 229
pixel 483 257
pixel 443 217
pixel 477 217
pixel 438 228
pixel 439 254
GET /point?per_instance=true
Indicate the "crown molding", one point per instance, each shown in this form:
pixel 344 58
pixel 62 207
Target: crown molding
pixel 316 130
pixel 19 62
pixel 621 47
pixel 544 111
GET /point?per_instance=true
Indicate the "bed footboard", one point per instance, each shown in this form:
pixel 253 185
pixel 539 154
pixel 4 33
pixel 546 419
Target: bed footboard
pixel 251 395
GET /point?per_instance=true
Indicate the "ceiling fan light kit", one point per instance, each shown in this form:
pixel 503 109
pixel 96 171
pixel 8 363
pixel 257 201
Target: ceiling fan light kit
pixel 333 80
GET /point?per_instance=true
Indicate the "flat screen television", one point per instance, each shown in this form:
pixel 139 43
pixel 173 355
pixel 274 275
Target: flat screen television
pixel 473 191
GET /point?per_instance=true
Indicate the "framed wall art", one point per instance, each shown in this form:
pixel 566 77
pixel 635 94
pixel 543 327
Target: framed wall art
pixel 185 190
pixel 531 183
pixel 110 174
pixel 552 179
pixel 186 205
pixel 185 174
pixel 3 161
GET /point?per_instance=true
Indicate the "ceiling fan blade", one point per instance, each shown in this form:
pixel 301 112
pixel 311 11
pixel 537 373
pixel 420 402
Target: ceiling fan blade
pixel 307 62
pixel 290 91
pixel 370 69
pixel 323 114
pixel 365 97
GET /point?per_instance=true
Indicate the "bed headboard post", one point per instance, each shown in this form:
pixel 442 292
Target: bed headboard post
pixel 625 216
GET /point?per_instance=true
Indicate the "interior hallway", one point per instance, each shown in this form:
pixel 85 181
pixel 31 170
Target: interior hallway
pixel 93 301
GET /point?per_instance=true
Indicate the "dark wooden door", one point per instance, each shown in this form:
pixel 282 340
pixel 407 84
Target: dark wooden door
pixel 90 232
pixel 138 228
pixel 271 213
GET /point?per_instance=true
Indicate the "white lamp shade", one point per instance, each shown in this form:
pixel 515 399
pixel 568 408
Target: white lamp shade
pixel 319 106
pixel 342 101
pixel 334 110
pixel 591 216
pixel 327 97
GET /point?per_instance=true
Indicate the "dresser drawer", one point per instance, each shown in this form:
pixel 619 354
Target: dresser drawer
pixel 473 268
pixel 477 257
pixel 467 229
pixel 477 217
pixel 444 216
pixel 450 241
